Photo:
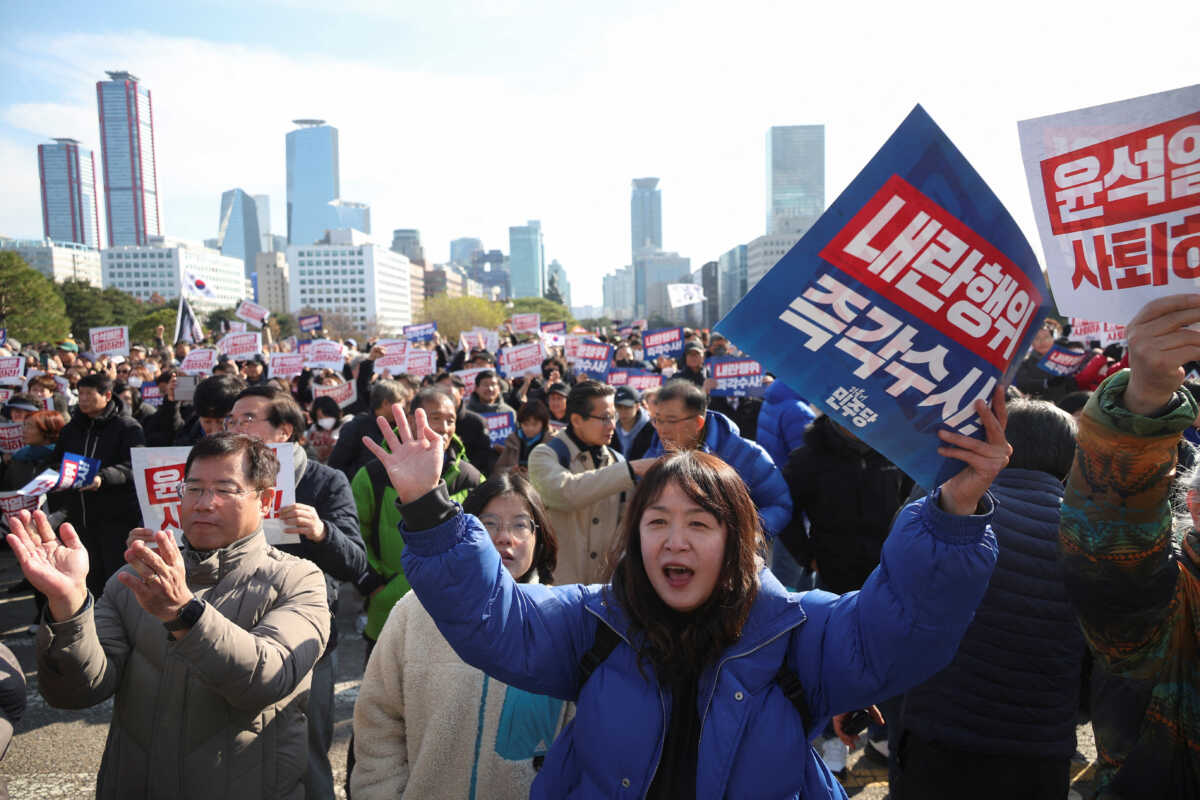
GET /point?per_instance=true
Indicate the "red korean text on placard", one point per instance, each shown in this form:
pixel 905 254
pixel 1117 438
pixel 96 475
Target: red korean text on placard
pixel 912 251
pixel 1141 174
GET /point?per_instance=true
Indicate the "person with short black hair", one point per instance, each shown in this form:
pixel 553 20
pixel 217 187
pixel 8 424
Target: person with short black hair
pixel 584 482
pixel 206 650
pixel 349 455
pixel 532 428
pixel 105 510
pixel 633 433
pixel 325 519
pixel 469 426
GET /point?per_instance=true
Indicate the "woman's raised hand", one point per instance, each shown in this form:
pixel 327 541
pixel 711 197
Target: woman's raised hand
pixel 414 461
pixel 984 459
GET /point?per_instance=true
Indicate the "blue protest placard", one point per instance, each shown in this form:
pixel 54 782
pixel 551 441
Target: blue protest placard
pixel 76 471
pixel 1063 361
pixel 663 342
pixel 593 359
pixel 499 426
pixel 640 379
pixel 735 377
pixel 554 327
pixel 311 322
pixel 422 332
pixel 914 294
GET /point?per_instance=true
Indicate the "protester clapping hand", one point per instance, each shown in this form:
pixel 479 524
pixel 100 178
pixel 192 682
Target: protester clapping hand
pixel 56 568
pixel 160 584
pixel 414 461
pixel 984 459
pixel 1160 343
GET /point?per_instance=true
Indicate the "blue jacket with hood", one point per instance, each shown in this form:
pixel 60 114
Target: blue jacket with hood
pixel 848 651
pixel 782 420
pixel 762 477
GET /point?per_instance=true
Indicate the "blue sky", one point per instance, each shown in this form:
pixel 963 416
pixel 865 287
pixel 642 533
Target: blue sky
pixel 462 118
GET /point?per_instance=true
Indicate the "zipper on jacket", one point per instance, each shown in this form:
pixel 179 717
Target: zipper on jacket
pixel 716 675
pixel 662 703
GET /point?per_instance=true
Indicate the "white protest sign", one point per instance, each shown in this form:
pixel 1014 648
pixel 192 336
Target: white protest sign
pixel 420 363
pixel 236 327
pixel 343 393
pixel 240 346
pixel 12 369
pixel 393 347
pixel 285 365
pixel 253 313
pixel 13 502
pixel 199 362
pixel 325 354
pixel 158 471
pixel 522 359
pixel 685 294
pixel 527 323
pixel 109 341
pixel 10 437
pixel 1113 188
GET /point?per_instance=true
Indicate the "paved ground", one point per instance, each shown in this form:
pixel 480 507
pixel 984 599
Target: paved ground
pixel 55 754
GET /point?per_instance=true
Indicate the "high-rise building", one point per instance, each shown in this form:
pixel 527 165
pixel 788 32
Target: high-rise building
pixel 238 234
pixel 463 251
pixel 416 291
pixel 130 169
pixel 707 278
pixel 527 260
pixel 350 273
pixel 70 212
pixel 407 242
pixel 765 251
pixel 161 266
pixel 645 215
pixel 314 203
pixel 271 269
pixel 731 275
pixel 59 261
pixel 653 271
pixel 618 294
pixel 491 270
pixel 559 273
pixel 795 176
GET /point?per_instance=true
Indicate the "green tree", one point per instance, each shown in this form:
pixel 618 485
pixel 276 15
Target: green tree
pixel 86 307
pixel 553 293
pixel 215 321
pixel 457 314
pixel 126 309
pixel 30 308
pixel 283 325
pixel 550 310
pixel 143 331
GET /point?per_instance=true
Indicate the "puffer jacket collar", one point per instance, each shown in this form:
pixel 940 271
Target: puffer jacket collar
pixel 210 567
pixel 718 428
pixel 774 611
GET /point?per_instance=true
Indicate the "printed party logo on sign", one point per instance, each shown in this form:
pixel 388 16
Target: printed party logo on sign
pixel 109 341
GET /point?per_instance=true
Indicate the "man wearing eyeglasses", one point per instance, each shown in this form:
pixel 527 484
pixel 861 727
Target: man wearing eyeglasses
pixel 584 483
pixel 682 421
pixel 326 520
pixel 207 650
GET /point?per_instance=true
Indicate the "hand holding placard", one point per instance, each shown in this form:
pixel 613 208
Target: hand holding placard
pixel 984 459
pixel 1160 343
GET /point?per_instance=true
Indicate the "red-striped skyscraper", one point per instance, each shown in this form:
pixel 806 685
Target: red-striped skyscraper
pixel 68 177
pixel 127 147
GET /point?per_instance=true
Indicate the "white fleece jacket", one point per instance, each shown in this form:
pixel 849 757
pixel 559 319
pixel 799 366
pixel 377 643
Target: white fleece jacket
pixel 428 725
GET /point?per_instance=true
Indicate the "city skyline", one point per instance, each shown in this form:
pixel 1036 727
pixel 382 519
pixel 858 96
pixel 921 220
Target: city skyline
pixel 227 80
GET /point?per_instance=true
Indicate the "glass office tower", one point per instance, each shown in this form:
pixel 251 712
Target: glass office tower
pixel 127 149
pixel 69 209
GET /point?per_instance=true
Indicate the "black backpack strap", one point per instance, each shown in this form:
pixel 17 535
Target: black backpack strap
pixel 561 450
pixel 789 682
pixel 602 646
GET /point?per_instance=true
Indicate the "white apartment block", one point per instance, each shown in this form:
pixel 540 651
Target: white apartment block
pixel 351 273
pixel 272 270
pixel 59 261
pixel 161 267
pixel 765 251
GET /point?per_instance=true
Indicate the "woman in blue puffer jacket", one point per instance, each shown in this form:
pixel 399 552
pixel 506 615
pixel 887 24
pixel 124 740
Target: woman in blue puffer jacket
pixel 691 700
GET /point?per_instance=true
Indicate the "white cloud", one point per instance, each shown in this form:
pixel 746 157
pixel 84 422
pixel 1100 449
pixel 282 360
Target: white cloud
pixel 684 94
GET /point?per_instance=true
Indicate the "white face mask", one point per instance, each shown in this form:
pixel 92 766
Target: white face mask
pixel 327 423
pixel 134 381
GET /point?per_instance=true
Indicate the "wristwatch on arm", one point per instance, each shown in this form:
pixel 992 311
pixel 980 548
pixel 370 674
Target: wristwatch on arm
pixel 188 616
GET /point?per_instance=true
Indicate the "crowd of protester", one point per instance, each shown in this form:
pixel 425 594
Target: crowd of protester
pixel 659 593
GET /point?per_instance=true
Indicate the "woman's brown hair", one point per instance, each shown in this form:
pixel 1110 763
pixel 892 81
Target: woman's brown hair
pixel 674 648
pixel 48 423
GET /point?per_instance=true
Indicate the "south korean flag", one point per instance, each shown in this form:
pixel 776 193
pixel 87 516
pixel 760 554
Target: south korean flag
pixel 685 294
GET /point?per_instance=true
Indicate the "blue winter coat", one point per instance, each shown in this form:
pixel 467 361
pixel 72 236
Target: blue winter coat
pixel 782 420
pixel 848 651
pixel 762 477
pixel 1013 687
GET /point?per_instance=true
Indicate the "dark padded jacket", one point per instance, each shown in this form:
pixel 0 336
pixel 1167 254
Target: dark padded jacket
pixel 849 493
pixel 1013 686
pixel 782 421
